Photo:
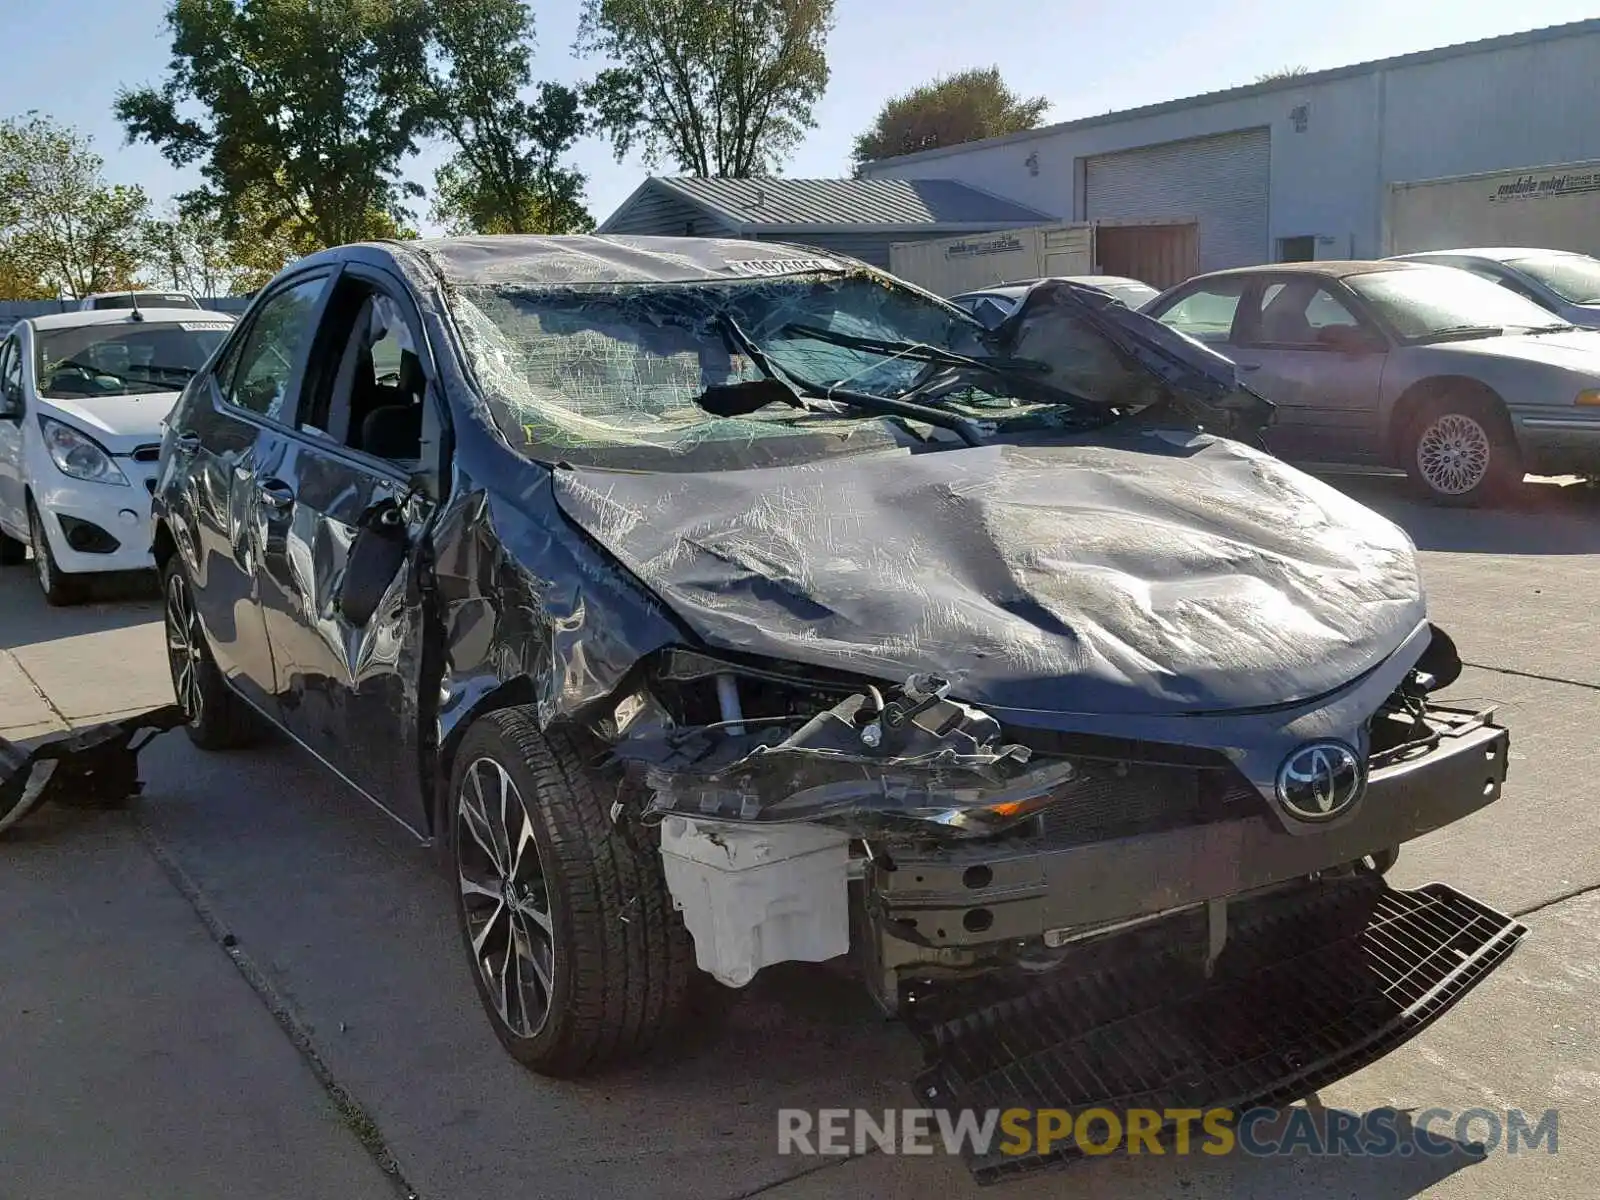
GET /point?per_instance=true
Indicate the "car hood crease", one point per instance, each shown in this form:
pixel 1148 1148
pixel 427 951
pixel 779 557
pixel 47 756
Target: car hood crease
pixel 1151 572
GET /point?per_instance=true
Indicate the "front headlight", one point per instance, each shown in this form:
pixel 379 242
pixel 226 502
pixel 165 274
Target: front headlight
pixel 79 455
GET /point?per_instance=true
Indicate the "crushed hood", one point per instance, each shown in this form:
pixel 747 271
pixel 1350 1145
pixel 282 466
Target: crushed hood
pixel 1150 572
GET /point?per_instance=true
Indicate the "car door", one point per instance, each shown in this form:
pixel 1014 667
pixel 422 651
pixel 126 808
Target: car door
pixel 346 521
pixel 1314 354
pixel 217 436
pixel 1206 310
pixel 13 487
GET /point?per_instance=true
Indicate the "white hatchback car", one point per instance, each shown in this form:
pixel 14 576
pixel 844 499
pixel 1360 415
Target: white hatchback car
pixel 82 398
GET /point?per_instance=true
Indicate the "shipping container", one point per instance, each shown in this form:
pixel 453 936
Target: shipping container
pixel 1553 207
pixel 1160 253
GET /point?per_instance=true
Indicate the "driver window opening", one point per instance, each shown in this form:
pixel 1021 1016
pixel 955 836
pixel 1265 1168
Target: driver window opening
pixel 368 385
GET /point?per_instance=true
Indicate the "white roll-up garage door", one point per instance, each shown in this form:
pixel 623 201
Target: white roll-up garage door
pixel 1221 181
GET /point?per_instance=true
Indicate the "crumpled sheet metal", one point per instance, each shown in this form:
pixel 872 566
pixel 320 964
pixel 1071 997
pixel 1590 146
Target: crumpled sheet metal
pixel 1146 573
pixel 518 593
pixel 945 764
pixel 1089 338
pixel 94 767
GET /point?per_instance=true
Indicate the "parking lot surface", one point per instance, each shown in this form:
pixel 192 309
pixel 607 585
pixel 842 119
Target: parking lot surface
pixel 250 983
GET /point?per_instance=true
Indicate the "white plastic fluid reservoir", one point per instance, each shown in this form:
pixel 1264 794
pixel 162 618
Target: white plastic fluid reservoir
pixel 754 896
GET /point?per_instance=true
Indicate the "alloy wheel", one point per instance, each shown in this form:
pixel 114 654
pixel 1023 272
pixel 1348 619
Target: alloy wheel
pixel 505 898
pixel 1453 454
pixel 185 648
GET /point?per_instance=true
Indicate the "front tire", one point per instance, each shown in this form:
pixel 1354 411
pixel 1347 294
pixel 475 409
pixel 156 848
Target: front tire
pixel 217 719
pixel 59 590
pixel 578 956
pixel 1461 452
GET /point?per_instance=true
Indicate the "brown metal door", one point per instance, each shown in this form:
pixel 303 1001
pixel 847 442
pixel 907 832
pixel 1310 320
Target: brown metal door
pixel 1160 255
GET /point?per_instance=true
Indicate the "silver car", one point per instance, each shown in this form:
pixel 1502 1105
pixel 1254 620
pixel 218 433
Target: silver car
pixel 1461 383
pixel 1565 282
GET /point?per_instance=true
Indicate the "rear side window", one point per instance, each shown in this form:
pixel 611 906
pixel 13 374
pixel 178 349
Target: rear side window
pixel 1207 313
pixel 264 375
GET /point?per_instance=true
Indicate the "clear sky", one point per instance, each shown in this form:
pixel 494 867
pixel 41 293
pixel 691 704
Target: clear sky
pixel 68 57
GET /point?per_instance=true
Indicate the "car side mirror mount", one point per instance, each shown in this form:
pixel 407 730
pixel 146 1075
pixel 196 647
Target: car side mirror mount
pixel 376 556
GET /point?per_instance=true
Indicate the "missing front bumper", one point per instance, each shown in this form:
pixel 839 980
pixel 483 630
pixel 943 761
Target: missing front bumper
pixel 972 896
pixel 1313 985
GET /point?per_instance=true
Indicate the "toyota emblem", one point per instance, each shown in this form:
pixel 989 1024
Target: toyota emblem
pixel 1320 780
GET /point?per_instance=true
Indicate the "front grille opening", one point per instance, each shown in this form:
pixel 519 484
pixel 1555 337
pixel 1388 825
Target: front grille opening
pixel 147 453
pixel 1128 799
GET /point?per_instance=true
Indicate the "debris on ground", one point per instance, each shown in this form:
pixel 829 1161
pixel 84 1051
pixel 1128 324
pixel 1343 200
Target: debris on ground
pixel 93 767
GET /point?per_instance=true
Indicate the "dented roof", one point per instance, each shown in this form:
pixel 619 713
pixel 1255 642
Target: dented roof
pixel 540 261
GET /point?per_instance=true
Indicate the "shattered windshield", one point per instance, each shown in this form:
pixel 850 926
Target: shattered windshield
pixel 577 373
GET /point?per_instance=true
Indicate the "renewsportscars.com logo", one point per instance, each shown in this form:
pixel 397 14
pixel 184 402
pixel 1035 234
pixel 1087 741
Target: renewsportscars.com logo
pixel 1259 1132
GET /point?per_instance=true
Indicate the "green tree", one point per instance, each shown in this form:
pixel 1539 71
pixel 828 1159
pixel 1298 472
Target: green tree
pixel 188 251
pixel 965 107
pixel 720 87
pixel 1281 74
pixel 301 110
pixel 506 175
pixel 17 280
pixel 63 228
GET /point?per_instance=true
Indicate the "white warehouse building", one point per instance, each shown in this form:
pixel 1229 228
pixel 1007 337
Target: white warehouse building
pixel 1299 168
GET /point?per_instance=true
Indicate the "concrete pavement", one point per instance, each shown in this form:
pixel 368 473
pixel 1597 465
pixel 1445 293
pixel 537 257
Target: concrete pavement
pixel 135 1060
pixel 346 920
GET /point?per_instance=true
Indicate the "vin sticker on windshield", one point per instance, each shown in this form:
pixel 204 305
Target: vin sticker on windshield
pixel 780 266
pixel 195 326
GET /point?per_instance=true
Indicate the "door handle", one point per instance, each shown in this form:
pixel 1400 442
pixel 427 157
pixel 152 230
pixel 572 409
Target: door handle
pixel 187 441
pixel 276 494
pixel 1249 366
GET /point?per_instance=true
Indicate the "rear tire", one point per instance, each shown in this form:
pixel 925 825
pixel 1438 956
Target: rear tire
pixel 217 719
pixel 59 590
pixel 1461 452
pixel 587 962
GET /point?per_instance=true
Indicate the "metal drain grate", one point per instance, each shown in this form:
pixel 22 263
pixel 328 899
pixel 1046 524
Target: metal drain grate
pixel 1310 988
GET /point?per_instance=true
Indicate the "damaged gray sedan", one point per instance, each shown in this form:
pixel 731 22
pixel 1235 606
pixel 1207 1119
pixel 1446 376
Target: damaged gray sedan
pixel 715 604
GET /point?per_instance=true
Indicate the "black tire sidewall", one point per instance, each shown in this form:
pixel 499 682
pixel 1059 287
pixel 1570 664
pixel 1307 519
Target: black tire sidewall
pixel 1505 459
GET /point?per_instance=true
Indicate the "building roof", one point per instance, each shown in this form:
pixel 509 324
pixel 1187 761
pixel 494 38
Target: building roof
pixel 774 204
pixel 1549 33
